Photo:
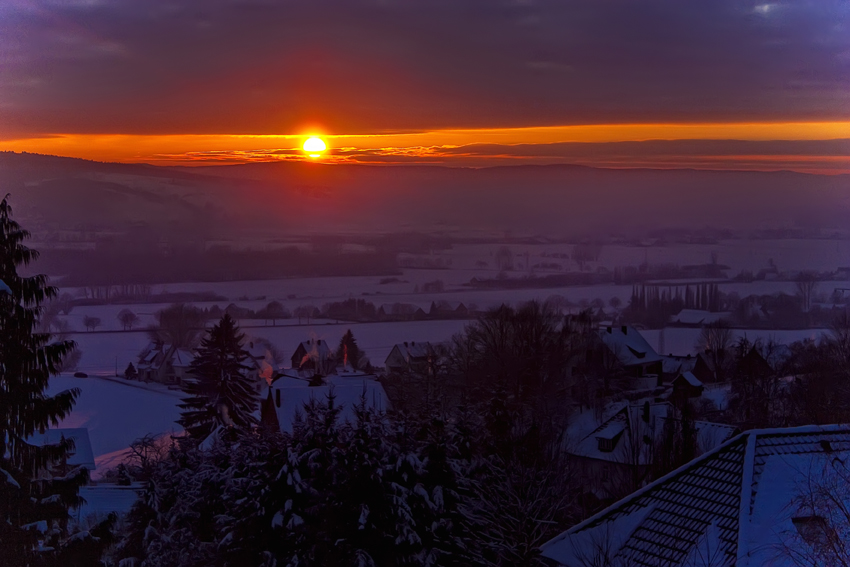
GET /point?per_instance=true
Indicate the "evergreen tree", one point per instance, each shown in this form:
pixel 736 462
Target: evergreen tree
pixel 131 373
pixel 29 505
pixel 348 351
pixel 220 392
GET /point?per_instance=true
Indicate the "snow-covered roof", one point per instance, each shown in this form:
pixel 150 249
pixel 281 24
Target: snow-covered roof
pixel 628 345
pixel 414 350
pixel 638 424
pixel 182 357
pixel 673 364
pixel 698 317
pixel 734 503
pixel 348 387
pixel 82 453
pixel 689 378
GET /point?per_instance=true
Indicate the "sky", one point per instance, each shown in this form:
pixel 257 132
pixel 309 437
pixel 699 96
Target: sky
pixel 729 84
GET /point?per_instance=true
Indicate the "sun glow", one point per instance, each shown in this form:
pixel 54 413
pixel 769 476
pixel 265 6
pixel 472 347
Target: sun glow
pixel 313 146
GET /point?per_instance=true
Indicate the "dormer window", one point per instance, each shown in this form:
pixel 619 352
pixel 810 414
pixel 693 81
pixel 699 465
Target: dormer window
pixel 814 530
pixel 608 444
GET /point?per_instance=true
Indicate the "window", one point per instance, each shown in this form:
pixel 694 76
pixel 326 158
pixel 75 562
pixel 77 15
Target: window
pixel 814 530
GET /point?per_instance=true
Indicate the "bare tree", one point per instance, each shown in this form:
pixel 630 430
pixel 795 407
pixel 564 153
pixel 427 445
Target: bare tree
pixel 274 311
pixel 841 338
pixel 305 312
pixel 147 451
pixel 127 319
pixel 806 284
pixel 504 259
pixel 821 534
pixel 715 340
pixel 91 323
pixel 178 325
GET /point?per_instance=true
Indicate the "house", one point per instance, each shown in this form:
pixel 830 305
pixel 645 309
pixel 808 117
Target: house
pixel 313 356
pixel 622 448
pixel 448 310
pixel 399 312
pixel 687 386
pixel 741 504
pixel 287 395
pixel 632 351
pixel 413 357
pixel 164 363
pixel 697 317
pixel 705 368
pixel 753 366
pixel 80 456
pixel 672 365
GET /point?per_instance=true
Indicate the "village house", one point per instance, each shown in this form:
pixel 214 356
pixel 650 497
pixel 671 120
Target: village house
pixel 313 357
pixel 286 397
pixel 410 357
pixel 448 310
pixel 80 456
pixel 164 363
pixel 686 386
pixel 696 318
pixel 673 365
pixel 741 504
pixel 401 312
pixel 635 356
pixel 622 449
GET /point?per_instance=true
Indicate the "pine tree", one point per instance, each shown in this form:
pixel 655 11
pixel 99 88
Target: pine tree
pixel 220 392
pixel 28 359
pixel 348 351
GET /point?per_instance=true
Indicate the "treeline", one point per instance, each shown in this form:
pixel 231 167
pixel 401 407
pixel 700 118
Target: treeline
pixel 112 267
pixel 618 276
pixel 655 306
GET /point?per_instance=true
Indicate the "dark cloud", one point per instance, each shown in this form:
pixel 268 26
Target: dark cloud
pixel 228 66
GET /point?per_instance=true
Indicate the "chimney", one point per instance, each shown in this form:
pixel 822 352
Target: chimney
pixel 625 330
pixel 405 343
pixel 608 329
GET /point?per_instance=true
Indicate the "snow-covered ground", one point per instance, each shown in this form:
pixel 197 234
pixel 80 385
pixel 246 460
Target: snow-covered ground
pixel 117 413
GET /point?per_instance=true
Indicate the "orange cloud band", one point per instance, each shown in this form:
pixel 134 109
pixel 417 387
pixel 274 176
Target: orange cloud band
pixel 424 146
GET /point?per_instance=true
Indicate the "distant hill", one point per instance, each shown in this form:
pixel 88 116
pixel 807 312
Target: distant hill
pixel 284 198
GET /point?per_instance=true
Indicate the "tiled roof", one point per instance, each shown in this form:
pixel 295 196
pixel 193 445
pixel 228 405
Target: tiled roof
pixel 715 495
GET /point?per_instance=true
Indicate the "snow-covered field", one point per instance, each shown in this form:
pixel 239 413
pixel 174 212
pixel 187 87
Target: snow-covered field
pixel 117 413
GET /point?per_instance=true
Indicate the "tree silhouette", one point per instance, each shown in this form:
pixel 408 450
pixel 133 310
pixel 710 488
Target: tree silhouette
pixel 348 351
pixel 220 392
pixel 127 319
pixel 178 325
pixel 28 359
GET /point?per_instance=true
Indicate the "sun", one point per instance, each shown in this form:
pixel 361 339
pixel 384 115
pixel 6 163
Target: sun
pixel 313 146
